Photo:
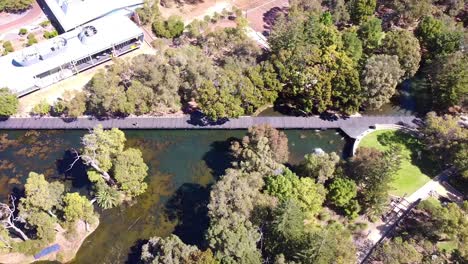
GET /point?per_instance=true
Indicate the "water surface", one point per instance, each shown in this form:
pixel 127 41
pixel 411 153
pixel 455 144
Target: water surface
pixel 182 165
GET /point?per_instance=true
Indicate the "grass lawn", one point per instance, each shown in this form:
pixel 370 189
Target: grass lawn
pixel 415 170
pixel 448 246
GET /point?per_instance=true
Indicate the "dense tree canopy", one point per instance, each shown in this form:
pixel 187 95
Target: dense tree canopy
pixel 371 35
pixel 373 171
pixel 405 46
pixel 77 207
pixel 362 9
pixel 438 37
pixel 172 250
pixel 380 77
pixel 449 83
pixel 319 166
pixel 114 171
pixel 8 103
pixel 309 195
pixel 446 140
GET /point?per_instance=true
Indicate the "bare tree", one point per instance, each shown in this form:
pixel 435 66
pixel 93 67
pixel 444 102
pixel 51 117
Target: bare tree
pixel 7 217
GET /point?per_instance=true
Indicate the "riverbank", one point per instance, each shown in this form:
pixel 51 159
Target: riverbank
pixel 69 245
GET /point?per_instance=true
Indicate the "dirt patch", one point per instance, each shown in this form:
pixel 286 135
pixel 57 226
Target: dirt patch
pixel 68 247
pixel 261 14
pixel 190 12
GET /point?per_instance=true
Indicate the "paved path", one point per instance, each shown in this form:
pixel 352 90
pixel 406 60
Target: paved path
pixel 438 185
pixel 352 126
pixel 435 185
pixel 32 15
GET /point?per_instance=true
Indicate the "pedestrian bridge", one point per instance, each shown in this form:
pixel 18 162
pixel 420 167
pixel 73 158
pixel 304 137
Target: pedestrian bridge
pixel 352 126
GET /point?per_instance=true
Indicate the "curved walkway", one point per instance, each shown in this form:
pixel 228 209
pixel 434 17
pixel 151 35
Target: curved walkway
pixel 32 15
pixel 352 126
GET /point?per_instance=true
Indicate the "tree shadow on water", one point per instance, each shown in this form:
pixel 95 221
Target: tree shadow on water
pixel 189 207
pixel 76 173
pixel 134 256
pixel 219 157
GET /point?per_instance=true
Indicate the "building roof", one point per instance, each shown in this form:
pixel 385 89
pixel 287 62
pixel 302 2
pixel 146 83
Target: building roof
pixel 19 68
pixel 73 13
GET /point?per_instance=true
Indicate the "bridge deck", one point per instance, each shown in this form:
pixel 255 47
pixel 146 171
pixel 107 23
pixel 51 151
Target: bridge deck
pixel 352 126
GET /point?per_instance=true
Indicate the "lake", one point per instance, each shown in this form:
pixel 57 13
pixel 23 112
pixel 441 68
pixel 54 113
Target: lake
pixel 182 166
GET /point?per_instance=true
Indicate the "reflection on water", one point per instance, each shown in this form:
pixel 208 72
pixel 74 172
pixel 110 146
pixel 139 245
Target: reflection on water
pixel 182 165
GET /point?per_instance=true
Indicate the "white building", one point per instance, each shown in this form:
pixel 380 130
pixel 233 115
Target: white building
pixel 81 48
pixel 70 14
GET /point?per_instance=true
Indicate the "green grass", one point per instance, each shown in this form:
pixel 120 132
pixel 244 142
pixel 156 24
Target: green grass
pixel 448 246
pixel 415 169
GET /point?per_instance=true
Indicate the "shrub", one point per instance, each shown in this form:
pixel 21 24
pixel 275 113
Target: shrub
pixel 171 28
pixel 7 47
pixel 45 24
pixel 51 34
pixel 8 102
pixel 31 40
pixel 59 107
pixel 23 32
pixel 42 108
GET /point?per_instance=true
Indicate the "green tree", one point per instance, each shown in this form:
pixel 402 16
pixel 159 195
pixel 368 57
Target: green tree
pixel 288 222
pixel 309 195
pixel 130 172
pixel 438 37
pixel 171 28
pixel 373 172
pixel 380 77
pixel 398 251
pixel 101 147
pixel 108 197
pixel 446 140
pixel 410 11
pixel 339 11
pixel 371 35
pixel 316 80
pixel 403 44
pixel 44 225
pixel 114 171
pixel 284 234
pixel 175 26
pixel 449 84
pixel 236 193
pixel 106 94
pixel 218 101
pixel 40 205
pixel 168 250
pixel 341 191
pixel 77 207
pixel 42 108
pixel 8 102
pixel 74 103
pixel 332 244
pixel 7 47
pixel 41 195
pixel 319 166
pixel 234 243
pixel 352 45
pixel 362 9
